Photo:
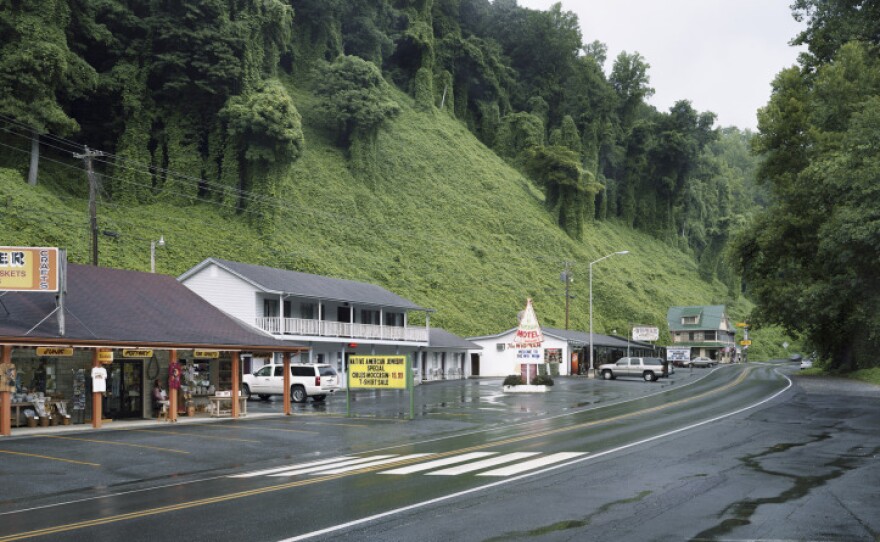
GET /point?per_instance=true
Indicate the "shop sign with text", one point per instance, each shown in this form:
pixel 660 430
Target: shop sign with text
pixel 206 354
pixel 387 372
pixel 54 352
pixel 26 269
pixel 129 353
pixel 646 333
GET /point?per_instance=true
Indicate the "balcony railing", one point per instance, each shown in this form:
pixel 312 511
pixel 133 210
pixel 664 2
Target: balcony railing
pixel 325 328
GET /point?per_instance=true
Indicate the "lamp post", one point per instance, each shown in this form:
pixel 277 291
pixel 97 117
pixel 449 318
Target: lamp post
pixel 153 245
pixel 621 253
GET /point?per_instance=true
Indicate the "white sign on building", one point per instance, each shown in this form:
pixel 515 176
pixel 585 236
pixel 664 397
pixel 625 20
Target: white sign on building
pixel 646 333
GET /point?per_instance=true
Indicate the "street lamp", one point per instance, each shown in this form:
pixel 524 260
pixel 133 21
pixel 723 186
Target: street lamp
pixel 621 253
pixel 153 245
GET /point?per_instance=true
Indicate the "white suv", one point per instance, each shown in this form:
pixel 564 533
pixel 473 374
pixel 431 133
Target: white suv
pixel 648 368
pixel 306 380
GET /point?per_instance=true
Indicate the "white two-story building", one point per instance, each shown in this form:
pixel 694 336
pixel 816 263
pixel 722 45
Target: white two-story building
pixel 336 318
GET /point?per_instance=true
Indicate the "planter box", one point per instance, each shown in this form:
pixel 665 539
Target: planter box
pixel 531 388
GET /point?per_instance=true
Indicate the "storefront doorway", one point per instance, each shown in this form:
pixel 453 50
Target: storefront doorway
pixel 125 390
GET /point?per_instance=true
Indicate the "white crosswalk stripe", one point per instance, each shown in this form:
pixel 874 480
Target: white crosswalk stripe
pixel 392 459
pixel 356 462
pixel 490 463
pixel 291 467
pixel 479 465
pixel 438 463
pixel 532 464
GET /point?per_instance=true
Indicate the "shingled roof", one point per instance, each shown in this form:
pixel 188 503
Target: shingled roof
pixel 296 283
pixel 105 306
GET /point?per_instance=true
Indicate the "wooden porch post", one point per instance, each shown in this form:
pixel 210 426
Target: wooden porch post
pixel 172 393
pixel 236 379
pixel 287 383
pixel 6 396
pixel 97 397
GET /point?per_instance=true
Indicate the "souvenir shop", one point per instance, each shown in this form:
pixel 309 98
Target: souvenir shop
pixel 98 347
pixel 54 385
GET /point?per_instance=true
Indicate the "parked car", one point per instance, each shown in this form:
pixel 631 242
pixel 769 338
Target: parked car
pixel 306 380
pixel 649 369
pixel 701 362
pixel 806 363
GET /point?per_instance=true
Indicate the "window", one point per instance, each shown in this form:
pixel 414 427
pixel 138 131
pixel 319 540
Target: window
pixel 500 347
pixel 394 319
pixel 264 371
pixel 302 371
pixel 369 317
pixel 279 370
pixel 270 308
pixel 690 319
pixel 307 311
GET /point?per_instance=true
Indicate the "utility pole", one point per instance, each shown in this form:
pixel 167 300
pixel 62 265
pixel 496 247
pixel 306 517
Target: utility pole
pixel 567 278
pixel 87 156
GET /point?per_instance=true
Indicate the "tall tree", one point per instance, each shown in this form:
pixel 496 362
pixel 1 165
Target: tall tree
pixel 810 260
pixel 38 71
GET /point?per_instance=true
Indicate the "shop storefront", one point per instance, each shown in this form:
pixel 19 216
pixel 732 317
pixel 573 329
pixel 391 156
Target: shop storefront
pixel 99 352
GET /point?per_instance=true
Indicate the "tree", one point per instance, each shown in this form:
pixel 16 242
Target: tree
pixel 568 190
pixel 355 97
pixel 810 260
pixel 38 71
pixel 267 129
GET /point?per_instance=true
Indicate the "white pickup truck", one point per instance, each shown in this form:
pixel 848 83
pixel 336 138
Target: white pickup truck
pixel 306 380
pixel 649 369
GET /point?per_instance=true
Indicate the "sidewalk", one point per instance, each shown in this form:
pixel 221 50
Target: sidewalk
pixel 111 425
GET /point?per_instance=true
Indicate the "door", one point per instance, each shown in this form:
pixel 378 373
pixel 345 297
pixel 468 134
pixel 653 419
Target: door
pixel 475 365
pixel 125 390
pixel 261 379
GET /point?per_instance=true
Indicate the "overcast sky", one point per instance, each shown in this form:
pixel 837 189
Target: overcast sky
pixel 721 55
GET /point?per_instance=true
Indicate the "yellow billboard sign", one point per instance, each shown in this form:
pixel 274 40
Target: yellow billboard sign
pixel 54 352
pixel 26 269
pixel 129 353
pixel 206 354
pixel 105 356
pixel 745 343
pixel 386 372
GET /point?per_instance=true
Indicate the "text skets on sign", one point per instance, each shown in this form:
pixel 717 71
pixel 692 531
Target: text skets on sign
pixel 377 372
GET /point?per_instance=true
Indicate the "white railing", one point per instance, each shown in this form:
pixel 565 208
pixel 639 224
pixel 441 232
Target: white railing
pixel 325 328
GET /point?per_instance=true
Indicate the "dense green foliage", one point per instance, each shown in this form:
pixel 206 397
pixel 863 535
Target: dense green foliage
pixel 362 139
pixel 810 260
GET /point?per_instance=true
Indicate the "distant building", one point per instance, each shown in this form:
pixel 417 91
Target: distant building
pixel 335 318
pixel 567 352
pixel 705 329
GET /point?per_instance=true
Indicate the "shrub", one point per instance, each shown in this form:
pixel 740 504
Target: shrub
pixel 543 380
pixel 513 380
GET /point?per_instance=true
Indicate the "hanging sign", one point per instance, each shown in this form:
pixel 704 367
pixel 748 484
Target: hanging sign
pixel 528 334
pixel 206 354
pixel 128 353
pixel 386 372
pixel 646 333
pixel 27 269
pixel 54 352
pixel 105 356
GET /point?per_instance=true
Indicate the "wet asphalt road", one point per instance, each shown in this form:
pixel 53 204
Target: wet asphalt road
pixel 800 467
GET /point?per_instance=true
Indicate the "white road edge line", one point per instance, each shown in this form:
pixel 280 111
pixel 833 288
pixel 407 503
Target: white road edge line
pixel 422 504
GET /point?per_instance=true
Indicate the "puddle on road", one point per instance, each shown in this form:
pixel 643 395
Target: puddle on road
pixel 743 510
